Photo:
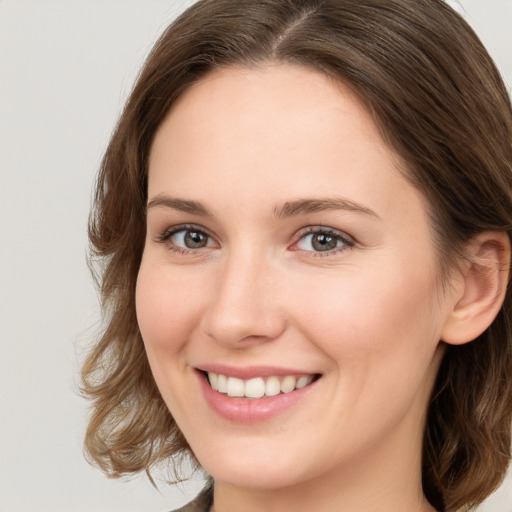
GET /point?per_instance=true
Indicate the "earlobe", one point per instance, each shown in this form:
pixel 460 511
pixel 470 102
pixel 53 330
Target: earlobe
pixel 480 290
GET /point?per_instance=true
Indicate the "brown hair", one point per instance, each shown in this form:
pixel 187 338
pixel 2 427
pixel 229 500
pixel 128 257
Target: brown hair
pixel 440 103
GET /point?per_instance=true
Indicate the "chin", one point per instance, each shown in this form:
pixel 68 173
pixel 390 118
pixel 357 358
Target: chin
pixel 256 468
pixel 249 476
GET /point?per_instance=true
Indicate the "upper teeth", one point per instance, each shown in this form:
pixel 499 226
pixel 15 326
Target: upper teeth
pixel 257 387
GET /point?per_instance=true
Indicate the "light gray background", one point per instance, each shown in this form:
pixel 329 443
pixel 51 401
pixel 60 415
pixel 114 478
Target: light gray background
pixel 66 67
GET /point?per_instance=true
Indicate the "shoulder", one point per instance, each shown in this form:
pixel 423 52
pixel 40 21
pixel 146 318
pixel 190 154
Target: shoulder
pixel 201 503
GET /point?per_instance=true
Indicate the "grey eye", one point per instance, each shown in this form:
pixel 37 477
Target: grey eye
pixel 190 239
pixel 320 242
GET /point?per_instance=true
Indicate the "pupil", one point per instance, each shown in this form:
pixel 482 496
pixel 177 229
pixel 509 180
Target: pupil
pixel 324 242
pixel 194 239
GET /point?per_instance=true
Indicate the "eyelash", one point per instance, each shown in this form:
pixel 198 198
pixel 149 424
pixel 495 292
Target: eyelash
pixel 347 241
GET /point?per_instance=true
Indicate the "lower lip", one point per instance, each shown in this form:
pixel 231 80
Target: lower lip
pixel 250 410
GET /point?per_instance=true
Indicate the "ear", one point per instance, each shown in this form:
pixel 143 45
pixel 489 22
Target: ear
pixel 479 291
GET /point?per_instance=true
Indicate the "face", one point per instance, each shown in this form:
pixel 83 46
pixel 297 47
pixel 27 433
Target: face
pixel 287 296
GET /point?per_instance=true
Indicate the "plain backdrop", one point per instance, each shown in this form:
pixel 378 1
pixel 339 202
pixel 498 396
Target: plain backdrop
pixel 66 67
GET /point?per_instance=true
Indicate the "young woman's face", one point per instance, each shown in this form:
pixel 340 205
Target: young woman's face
pixel 288 256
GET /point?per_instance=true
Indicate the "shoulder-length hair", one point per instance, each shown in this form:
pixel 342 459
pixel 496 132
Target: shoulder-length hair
pixel 439 102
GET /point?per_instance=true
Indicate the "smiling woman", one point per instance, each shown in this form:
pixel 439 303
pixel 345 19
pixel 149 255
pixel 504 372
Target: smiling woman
pixel 305 217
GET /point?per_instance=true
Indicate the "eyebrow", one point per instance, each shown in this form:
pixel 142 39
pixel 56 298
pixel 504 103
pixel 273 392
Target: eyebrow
pixel 288 209
pixel 176 203
pixel 303 206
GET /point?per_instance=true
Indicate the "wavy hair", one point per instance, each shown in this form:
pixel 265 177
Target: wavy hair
pixel 440 103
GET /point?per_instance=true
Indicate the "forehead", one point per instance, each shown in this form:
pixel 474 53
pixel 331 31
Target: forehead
pixel 274 130
pixel 260 95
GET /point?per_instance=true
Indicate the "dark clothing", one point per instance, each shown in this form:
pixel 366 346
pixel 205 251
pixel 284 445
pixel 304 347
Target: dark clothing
pixel 202 503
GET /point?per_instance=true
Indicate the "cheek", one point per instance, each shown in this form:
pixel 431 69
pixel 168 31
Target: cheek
pixel 167 308
pixel 167 312
pixel 376 317
pixel 381 339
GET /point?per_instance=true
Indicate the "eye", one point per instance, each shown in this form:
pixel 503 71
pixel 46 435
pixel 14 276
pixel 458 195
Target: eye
pixel 323 240
pixel 190 239
pixel 183 239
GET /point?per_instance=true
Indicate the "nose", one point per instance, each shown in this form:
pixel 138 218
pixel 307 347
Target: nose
pixel 244 308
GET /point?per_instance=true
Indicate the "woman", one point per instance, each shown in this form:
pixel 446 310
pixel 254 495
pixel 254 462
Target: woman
pixel 304 217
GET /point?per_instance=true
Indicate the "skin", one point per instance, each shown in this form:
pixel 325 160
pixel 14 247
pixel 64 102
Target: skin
pixel 367 316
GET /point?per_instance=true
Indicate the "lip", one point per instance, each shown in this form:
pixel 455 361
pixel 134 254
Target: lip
pixel 251 410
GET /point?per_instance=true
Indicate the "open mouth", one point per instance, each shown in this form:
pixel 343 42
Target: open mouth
pixel 258 387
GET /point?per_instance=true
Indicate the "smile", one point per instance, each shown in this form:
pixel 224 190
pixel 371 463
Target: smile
pixel 257 387
pixel 250 395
